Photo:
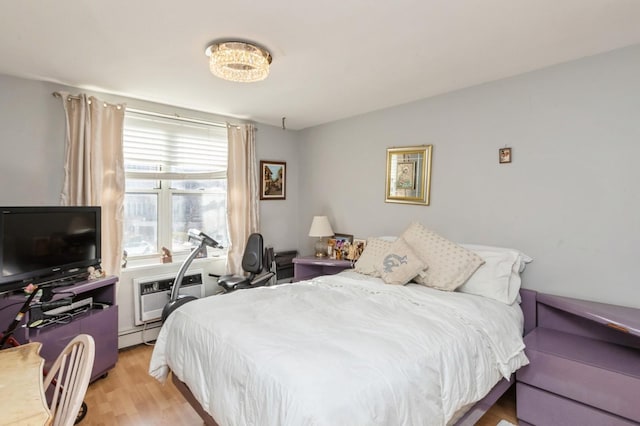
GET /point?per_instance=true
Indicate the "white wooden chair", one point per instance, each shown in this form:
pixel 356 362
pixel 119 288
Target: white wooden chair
pixel 71 371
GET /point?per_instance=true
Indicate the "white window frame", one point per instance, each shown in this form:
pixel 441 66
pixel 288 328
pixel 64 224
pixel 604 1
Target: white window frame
pixel 164 192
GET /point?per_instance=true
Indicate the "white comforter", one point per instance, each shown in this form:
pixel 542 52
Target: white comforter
pixel 339 351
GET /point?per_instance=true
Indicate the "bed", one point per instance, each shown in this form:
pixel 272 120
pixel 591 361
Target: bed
pixel 422 331
pixel 345 349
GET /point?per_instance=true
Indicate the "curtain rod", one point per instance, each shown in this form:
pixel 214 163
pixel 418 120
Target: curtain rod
pixel 163 115
pixel 69 97
pixel 179 117
pixel 59 95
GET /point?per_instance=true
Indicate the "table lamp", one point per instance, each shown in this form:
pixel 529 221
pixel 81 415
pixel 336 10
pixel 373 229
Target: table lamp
pixel 320 227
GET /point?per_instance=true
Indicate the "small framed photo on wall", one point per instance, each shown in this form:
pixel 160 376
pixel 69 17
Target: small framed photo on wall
pixel 274 180
pixel 504 155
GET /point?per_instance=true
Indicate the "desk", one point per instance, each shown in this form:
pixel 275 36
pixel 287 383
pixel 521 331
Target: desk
pixel 22 400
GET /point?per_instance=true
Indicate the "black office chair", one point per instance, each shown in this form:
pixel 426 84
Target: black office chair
pixel 256 261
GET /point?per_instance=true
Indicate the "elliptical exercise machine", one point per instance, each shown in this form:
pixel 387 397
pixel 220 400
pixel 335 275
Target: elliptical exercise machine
pixel 176 299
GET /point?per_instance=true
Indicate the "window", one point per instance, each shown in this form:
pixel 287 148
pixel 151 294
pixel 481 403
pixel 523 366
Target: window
pixel 175 180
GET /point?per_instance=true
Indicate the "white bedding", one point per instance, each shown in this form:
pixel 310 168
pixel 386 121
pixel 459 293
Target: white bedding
pixel 339 350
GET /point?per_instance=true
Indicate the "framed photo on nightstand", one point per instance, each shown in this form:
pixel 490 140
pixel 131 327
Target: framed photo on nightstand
pixel 343 237
pixel 339 246
pixel 356 249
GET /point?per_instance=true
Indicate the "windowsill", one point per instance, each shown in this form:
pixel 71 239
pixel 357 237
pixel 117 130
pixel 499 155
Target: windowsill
pixel 156 262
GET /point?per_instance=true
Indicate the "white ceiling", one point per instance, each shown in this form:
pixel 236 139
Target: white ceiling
pixel 332 59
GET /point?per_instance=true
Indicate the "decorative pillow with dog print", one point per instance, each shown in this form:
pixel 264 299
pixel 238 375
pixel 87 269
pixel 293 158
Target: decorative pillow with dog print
pixel 371 256
pixel 399 264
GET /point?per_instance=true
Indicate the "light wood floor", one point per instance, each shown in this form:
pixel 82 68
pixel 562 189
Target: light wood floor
pixel 128 396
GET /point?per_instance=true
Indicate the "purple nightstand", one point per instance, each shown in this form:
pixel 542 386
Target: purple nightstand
pixel 307 267
pixel 584 365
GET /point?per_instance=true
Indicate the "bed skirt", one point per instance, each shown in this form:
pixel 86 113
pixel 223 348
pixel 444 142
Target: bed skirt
pixel 469 418
pixel 186 392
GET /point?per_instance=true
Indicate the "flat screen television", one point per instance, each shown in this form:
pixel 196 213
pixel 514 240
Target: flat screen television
pixel 46 243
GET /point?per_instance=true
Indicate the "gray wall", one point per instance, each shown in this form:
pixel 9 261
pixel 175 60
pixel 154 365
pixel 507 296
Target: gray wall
pixel 32 132
pixel 279 218
pixel 569 198
pixel 31 142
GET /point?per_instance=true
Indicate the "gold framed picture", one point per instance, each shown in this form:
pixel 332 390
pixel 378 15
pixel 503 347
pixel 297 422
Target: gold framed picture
pixel 409 175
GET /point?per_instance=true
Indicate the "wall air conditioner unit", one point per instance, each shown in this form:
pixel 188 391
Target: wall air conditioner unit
pixel 150 294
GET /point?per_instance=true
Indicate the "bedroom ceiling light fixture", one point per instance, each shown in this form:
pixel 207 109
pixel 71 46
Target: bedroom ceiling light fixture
pixel 320 227
pixel 238 61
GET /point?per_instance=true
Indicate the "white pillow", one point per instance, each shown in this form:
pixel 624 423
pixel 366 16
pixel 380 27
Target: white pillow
pixel 372 255
pixel 524 259
pixel 499 277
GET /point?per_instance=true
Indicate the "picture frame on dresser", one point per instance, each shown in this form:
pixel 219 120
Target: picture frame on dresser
pixel 340 244
pixel 343 237
pixel 357 247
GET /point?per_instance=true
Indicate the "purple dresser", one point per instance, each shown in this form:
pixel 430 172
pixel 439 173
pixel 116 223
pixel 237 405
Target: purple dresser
pixel 99 318
pixel 585 365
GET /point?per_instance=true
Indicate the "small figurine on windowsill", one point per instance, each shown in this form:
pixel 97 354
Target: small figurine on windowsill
pixel 166 255
pixel 202 253
pixel 95 273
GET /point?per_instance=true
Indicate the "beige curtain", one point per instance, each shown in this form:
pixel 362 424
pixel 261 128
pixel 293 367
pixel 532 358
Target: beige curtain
pixel 242 192
pixel 94 167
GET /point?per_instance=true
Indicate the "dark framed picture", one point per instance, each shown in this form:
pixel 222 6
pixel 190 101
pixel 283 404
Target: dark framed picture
pixel 274 180
pixel 504 155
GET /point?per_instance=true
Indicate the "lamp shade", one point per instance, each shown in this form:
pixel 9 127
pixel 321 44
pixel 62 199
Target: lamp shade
pixel 320 227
